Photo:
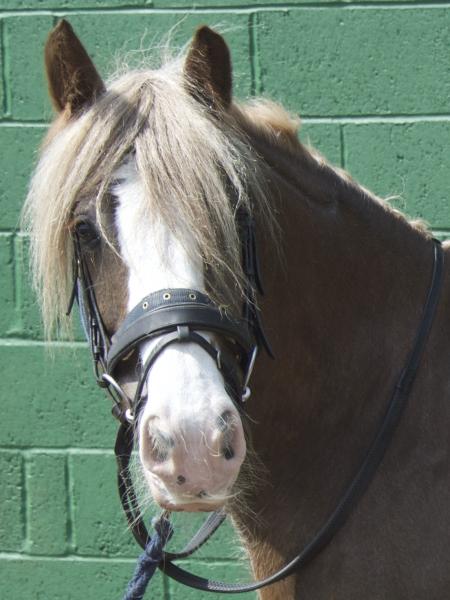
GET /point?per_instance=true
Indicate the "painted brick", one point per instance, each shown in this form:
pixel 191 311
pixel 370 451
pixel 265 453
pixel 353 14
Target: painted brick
pixel 106 36
pixel 229 572
pixel 56 402
pixel 29 323
pixel 18 146
pixel 47 506
pixel 352 62
pixel 99 527
pixel 25 38
pixel 7 312
pixel 408 159
pixel 12 525
pixel 325 137
pixel 68 579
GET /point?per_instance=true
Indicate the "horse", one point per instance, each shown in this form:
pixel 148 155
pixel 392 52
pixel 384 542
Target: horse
pixel 148 173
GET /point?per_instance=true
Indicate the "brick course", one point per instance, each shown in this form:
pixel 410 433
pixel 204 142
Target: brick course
pixel 373 88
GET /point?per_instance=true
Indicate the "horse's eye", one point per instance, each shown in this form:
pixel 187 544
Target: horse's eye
pixel 87 233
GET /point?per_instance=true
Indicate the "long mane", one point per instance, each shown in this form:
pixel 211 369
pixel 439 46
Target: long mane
pixel 196 166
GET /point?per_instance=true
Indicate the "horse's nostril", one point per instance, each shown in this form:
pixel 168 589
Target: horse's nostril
pixel 160 444
pixel 228 452
pixel 228 427
pixel 181 479
pixel 224 421
pixel 159 455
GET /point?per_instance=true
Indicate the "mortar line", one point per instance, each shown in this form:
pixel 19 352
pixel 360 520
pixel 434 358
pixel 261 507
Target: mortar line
pixel 70 509
pixel 24 341
pixel 255 66
pixel 88 558
pixel 30 451
pixel 7 100
pixel 166 587
pixel 66 558
pixel 312 119
pixel 377 119
pixel 242 9
pixel 4 68
pixel 17 271
pixel 25 503
pixel 12 253
pixel 9 122
pixel 342 146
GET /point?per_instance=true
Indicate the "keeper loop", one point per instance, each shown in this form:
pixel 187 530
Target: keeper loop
pixel 183 332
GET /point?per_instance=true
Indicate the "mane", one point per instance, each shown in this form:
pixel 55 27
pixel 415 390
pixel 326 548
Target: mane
pixel 196 167
pixel 282 128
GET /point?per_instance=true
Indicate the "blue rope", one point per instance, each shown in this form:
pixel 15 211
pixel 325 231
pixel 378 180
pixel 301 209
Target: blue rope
pixel 149 560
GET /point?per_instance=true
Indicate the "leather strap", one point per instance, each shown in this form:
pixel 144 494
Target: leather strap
pixel 149 319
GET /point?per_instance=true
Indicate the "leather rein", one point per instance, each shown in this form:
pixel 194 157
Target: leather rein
pixel 176 316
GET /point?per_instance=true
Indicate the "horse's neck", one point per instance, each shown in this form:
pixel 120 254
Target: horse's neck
pixel 341 309
pixel 351 273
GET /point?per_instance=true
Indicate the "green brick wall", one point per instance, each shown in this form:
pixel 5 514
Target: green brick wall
pixel 372 83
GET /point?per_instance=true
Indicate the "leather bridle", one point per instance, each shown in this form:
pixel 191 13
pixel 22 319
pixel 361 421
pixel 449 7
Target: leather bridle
pixel 169 316
pixel 177 316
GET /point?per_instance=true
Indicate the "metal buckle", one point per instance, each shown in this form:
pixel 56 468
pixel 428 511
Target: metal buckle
pixel 111 382
pixel 246 394
pixel 129 415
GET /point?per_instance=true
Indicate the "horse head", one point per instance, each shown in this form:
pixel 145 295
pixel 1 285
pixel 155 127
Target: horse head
pixel 139 185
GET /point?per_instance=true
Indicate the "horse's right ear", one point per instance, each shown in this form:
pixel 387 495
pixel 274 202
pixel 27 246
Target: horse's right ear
pixel 73 80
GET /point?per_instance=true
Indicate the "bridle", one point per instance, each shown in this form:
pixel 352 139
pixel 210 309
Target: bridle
pixel 171 316
pixel 177 316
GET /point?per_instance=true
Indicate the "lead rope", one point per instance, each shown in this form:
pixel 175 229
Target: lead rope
pixel 150 559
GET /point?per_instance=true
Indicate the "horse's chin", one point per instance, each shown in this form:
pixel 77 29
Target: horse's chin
pixel 187 505
pixel 194 507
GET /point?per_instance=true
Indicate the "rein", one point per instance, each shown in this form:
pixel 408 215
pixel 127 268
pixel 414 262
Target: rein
pixel 177 315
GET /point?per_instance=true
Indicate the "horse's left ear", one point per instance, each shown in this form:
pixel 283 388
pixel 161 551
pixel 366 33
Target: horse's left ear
pixel 73 80
pixel 208 68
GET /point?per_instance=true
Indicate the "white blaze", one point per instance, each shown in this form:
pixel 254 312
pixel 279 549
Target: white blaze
pixel 186 390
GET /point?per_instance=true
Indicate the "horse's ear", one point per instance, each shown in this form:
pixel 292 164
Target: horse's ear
pixel 208 68
pixel 73 80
